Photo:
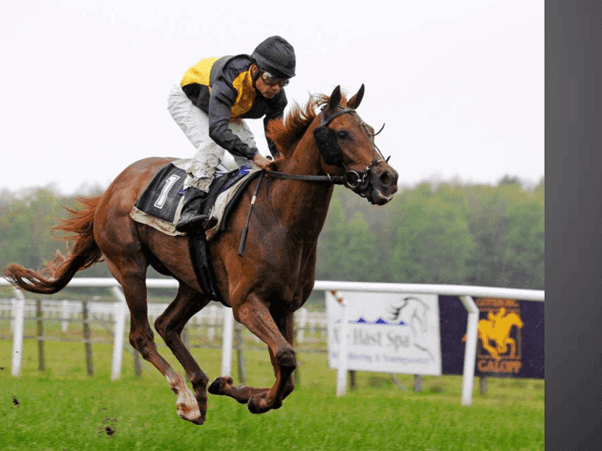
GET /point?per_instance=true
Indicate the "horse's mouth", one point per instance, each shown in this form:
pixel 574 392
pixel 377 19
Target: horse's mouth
pixel 378 198
pixel 381 189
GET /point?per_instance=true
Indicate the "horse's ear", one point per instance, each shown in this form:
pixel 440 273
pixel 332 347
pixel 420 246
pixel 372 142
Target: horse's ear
pixel 355 101
pixel 335 99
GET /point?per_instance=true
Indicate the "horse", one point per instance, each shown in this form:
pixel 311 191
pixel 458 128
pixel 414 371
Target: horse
pixel 497 328
pixel 265 286
pixel 413 311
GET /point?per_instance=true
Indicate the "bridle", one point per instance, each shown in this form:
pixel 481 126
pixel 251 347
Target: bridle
pixel 332 155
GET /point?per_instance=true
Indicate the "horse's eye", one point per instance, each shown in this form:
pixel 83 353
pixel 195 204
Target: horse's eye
pixel 342 135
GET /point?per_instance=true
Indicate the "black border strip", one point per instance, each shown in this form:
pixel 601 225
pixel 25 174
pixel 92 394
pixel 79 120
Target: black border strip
pixel 573 228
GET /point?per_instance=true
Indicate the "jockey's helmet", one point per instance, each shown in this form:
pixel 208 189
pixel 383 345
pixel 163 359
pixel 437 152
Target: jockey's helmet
pixel 276 56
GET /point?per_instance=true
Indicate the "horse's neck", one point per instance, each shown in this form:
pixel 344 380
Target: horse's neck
pixel 302 205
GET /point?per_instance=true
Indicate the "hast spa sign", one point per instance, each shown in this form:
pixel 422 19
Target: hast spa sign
pixel 387 332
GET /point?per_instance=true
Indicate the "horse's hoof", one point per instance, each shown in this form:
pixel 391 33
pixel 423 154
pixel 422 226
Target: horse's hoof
pixel 259 405
pixel 214 387
pixel 191 413
pixel 198 420
pixel 217 387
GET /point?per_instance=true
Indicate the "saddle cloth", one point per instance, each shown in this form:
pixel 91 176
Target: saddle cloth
pixel 160 204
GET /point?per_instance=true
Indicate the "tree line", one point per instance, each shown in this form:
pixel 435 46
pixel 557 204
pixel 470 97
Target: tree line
pixel 442 233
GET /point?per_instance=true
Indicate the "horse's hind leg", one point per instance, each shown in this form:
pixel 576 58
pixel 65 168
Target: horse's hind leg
pixel 131 274
pixel 255 315
pixel 170 325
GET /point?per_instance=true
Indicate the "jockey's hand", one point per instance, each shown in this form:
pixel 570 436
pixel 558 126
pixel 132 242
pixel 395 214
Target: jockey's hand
pixel 262 162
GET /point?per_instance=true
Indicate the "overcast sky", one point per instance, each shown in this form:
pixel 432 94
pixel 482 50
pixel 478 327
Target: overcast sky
pixel 459 84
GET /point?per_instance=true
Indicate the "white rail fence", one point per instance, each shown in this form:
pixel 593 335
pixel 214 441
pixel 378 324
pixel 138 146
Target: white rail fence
pixel 214 316
pixel 307 323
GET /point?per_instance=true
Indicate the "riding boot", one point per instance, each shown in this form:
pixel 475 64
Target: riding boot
pixel 196 213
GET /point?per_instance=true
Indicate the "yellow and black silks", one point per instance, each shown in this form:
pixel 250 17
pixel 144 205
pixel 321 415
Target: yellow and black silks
pixel 223 87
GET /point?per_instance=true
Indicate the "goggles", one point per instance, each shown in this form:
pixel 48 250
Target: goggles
pixel 272 80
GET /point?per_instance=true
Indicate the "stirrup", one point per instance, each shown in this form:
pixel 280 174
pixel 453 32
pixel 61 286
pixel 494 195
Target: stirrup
pixel 209 223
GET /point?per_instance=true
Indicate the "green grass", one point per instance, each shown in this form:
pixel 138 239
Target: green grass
pixel 64 409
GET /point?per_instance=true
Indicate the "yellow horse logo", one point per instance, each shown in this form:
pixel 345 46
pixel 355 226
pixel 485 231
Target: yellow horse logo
pixel 497 328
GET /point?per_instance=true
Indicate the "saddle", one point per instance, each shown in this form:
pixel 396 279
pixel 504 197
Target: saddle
pixel 161 203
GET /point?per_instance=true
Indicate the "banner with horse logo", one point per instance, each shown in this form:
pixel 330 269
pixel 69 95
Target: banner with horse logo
pixel 510 337
pixel 387 332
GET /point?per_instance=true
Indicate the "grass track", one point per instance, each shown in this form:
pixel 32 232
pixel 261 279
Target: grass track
pixel 63 409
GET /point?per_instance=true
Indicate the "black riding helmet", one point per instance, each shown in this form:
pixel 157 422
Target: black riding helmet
pixel 276 56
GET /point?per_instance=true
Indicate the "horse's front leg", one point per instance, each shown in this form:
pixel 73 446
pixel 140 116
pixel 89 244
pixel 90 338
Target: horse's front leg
pixel 255 315
pixel 287 327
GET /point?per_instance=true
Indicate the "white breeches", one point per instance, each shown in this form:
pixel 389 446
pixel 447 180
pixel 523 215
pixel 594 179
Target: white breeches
pixel 194 122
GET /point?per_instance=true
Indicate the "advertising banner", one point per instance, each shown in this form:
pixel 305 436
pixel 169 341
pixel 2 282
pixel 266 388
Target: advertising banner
pixel 387 332
pixel 510 339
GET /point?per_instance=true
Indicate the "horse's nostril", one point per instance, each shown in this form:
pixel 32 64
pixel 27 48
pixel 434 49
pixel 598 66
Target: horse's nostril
pixel 386 179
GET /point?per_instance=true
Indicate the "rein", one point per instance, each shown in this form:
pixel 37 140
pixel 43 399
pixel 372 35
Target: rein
pixel 334 179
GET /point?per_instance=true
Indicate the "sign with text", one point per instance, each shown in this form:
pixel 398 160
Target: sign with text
pixel 386 332
pixel 510 337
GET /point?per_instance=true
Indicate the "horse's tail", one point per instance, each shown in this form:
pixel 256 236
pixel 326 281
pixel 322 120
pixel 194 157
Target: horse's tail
pixel 61 270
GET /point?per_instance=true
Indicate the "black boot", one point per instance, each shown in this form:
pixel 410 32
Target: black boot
pixel 196 212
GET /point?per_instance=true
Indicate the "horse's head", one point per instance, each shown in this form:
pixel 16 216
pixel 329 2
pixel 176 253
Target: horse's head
pixel 346 144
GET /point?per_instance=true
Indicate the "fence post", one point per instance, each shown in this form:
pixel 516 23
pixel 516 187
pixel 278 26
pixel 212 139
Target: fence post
pixel 40 335
pixel 302 324
pixel 65 315
pixel 13 309
pixel 19 323
pixel 212 317
pixel 470 352
pixel 87 335
pixel 186 339
pixel 483 385
pixel 119 331
pixel 227 342
pixel 342 370
pixel 297 373
pixel 352 385
pixel 186 336
pixel 137 363
pixel 242 377
pixel 417 383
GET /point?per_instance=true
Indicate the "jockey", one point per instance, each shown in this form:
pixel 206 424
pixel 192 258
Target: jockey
pixel 209 105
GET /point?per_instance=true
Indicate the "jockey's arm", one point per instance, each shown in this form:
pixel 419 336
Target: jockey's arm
pixel 219 119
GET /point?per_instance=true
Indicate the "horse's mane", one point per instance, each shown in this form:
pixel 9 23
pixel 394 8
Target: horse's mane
pixel 286 133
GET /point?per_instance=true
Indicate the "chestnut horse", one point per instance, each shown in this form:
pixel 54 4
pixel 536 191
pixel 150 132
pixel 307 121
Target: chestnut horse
pixel 272 280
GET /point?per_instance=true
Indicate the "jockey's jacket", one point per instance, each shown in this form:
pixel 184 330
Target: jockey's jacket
pixel 223 88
